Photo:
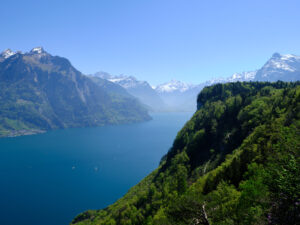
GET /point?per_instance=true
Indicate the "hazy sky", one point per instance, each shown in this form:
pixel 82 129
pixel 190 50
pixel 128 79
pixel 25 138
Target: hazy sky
pixel 155 40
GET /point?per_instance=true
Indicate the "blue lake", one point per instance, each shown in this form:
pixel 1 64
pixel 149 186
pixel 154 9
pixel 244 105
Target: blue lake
pixel 48 179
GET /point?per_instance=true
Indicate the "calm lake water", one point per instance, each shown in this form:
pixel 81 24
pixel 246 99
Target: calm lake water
pixel 48 179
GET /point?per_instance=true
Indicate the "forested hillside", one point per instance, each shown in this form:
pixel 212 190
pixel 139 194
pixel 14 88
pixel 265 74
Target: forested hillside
pixel 235 162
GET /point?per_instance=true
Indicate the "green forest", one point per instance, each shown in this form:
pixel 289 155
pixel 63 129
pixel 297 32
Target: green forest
pixel 235 162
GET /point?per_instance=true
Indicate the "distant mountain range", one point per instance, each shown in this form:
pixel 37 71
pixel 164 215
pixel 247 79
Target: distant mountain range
pixel 140 89
pixel 39 92
pixel 179 96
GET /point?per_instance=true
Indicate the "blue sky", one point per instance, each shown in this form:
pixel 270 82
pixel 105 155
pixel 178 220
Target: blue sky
pixel 155 40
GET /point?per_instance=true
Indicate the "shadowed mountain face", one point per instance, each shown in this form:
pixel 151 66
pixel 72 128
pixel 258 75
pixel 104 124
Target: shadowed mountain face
pixel 41 91
pixel 110 87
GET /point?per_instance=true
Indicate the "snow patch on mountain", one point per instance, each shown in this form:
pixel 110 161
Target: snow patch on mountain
pixel 37 50
pixel 128 81
pixel 174 85
pixel 281 62
pixel 280 67
pixel 7 53
pixel 244 76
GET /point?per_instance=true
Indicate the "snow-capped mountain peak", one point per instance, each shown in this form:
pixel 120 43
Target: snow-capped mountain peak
pixel 280 67
pixel 7 53
pixel 37 50
pixel 128 81
pixel 281 62
pixel 172 86
pixel 123 80
pixel 244 76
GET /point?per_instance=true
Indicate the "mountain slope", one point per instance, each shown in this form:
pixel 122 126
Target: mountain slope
pixel 110 87
pixel 139 89
pixel 39 91
pixel 235 162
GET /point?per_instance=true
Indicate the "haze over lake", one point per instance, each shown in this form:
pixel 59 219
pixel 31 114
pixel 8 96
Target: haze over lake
pixel 50 178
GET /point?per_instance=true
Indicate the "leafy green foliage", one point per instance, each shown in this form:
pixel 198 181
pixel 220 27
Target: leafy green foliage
pixel 235 162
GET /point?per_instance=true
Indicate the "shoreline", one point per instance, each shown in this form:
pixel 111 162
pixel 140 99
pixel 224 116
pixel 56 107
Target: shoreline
pixel 17 133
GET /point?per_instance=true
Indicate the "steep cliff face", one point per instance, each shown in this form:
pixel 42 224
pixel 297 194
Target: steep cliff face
pixel 235 162
pixel 41 91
